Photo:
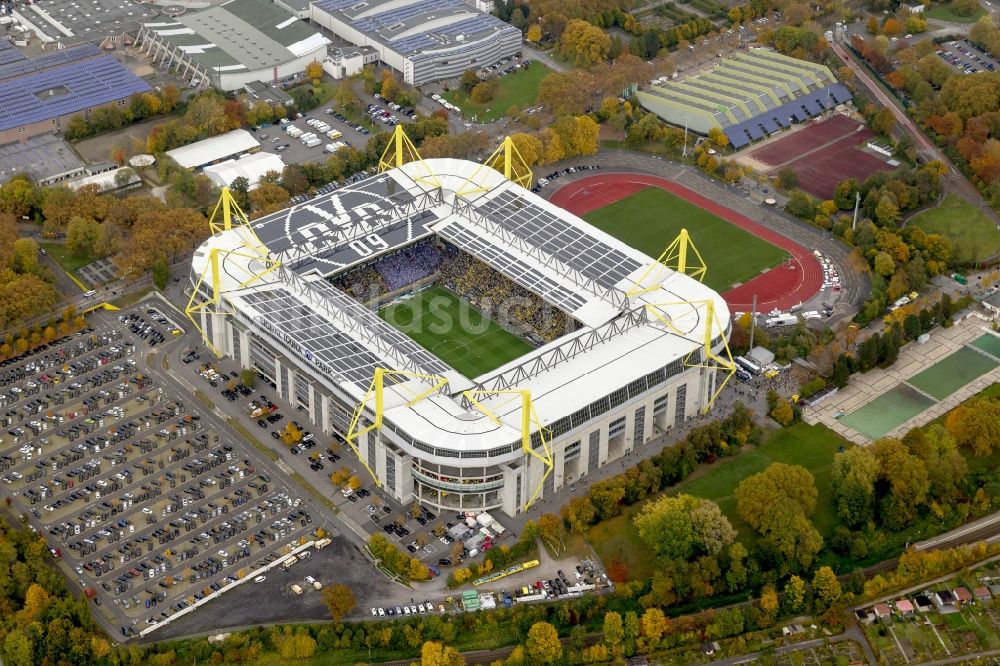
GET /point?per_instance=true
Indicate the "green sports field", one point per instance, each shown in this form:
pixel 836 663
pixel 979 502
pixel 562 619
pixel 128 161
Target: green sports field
pixel 454 331
pixel 650 219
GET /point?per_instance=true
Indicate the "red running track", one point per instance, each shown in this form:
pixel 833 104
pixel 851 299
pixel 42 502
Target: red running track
pixel 795 281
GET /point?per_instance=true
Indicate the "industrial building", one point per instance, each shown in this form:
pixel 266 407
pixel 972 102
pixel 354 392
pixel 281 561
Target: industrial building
pixel 643 356
pixel 40 95
pixel 233 44
pixel 749 96
pixel 214 149
pixel 426 40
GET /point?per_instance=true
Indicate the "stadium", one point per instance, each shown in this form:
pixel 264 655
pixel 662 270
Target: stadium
pixel 476 346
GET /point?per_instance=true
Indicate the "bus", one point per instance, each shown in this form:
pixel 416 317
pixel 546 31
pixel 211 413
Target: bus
pixel 747 365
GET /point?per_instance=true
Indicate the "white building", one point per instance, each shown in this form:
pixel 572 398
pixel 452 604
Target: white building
pixel 252 167
pixel 214 149
pixel 617 378
pixel 426 40
pixel 344 62
pixel 233 44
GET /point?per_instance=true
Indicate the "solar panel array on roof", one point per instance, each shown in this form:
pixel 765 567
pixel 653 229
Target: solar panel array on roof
pixel 800 110
pixel 53 59
pixel 319 340
pixel 593 258
pixel 8 53
pixel 65 89
pixel 518 271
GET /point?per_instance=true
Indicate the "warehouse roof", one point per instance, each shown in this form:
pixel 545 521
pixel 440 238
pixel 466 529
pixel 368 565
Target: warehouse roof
pixel 251 167
pixel 61 83
pixel 240 35
pixel 417 27
pixel 213 149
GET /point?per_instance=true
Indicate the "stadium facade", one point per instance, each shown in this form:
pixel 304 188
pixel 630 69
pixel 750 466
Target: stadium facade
pixel 637 362
pixel 426 40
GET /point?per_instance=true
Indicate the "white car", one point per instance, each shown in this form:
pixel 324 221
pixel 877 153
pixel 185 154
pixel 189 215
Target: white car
pixel 260 579
pixel 381 612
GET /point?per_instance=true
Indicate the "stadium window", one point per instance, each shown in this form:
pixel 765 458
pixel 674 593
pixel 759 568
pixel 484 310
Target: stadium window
pixel 618 397
pixel 636 388
pixel 660 405
pixel 616 427
pixel 22 129
pixel 572 451
pixel 599 407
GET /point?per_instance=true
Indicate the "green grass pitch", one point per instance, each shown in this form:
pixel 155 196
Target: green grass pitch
pixel 454 331
pixel 650 220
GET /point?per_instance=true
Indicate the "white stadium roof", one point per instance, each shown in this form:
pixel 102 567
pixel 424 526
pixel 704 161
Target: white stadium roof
pixel 252 167
pixel 551 252
pixel 213 149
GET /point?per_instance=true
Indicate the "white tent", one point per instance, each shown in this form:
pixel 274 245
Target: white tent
pixel 251 167
pixel 211 150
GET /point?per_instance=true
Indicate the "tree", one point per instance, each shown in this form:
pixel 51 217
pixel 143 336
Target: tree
pixel 906 477
pixel 580 513
pixel 468 80
pixel 614 632
pixel 783 413
pixel 964 7
pixel 787 178
pixel 854 474
pixel 483 92
pixel 314 71
pixel 434 653
pixel 344 95
pixel 339 600
pixel 390 86
pixel 757 495
pixel 543 646
pixel 248 376
pixel 534 33
pixel 606 496
pixel 976 425
pixel 768 605
pixel 299 645
pixel 795 595
pixel 584 44
pixel 528 147
pixel 826 588
pixel 681 526
pixel 161 274
pixel 25 256
pixel 553 531
pixel 81 235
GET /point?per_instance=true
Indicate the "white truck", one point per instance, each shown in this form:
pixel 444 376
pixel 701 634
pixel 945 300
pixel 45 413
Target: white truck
pixel 781 320
pixel 294 131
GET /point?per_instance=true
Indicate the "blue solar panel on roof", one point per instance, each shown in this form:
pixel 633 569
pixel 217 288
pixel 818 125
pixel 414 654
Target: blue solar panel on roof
pixel 90 83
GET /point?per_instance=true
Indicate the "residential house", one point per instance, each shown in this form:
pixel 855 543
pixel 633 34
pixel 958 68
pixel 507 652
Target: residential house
pixel 882 611
pixel 905 607
pixel 962 595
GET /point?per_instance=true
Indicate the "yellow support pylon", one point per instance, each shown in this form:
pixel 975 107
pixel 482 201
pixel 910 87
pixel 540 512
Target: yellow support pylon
pixel 399 151
pixel 254 250
pixel 377 390
pixel 675 257
pixel 529 418
pixel 723 363
pixel 507 160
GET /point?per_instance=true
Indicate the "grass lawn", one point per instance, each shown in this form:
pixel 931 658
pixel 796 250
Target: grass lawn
pixel 650 219
pixel 813 447
pixel 942 12
pixel 517 89
pixel 69 263
pixel 974 235
pixel 451 329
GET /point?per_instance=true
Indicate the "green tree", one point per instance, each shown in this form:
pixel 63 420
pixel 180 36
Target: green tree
pixel 614 631
pixel 756 495
pixel 248 376
pixel 161 274
pixel 18 650
pixel 787 178
pixel 543 646
pixel 683 525
pixel 826 587
pixel 795 595
pixel 25 258
pixel 855 472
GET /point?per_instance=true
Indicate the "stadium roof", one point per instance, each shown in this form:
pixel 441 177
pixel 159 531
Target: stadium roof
pixel 240 35
pixel 759 91
pixel 544 248
pixel 252 167
pixel 416 28
pixel 60 83
pixel 213 149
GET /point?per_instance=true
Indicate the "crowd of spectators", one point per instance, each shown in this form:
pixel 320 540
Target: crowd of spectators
pixel 502 299
pixel 409 265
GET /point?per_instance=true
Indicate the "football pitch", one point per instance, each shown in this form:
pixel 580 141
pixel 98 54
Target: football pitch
pixel 454 331
pixel 650 220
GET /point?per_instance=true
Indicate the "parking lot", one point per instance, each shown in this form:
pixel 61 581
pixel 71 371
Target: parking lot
pixel 148 505
pixel 966 57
